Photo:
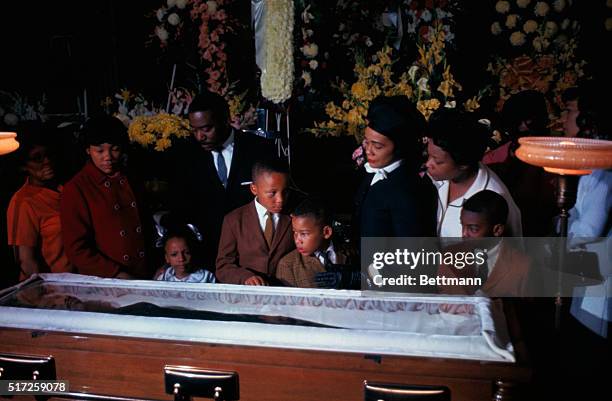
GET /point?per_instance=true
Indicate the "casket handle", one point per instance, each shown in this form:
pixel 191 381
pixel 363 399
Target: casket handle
pixel 185 382
pixel 27 367
pixel 404 392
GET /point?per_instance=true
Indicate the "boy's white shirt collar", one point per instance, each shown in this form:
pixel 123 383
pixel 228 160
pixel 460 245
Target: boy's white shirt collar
pixel 331 253
pixel 262 216
pixel 381 173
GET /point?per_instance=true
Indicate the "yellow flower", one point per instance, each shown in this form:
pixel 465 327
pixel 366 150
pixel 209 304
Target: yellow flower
pixel 157 130
pixel 125 94
pixel 359 90
pixel 472 104
pixel 427 107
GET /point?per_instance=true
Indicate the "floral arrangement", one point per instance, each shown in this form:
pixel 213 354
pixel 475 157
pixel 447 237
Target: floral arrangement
pixel 197 27
pixel 171 20
pixel 308 57
pixel 242 113
pixel 423 15
pixel 158 130
pixel 277 74
pixel 125 105
pixel 541 39
pixel 429 83
pixel 15 108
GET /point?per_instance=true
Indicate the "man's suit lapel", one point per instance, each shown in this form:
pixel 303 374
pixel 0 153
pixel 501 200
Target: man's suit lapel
pixel 237 160
pixel 501 270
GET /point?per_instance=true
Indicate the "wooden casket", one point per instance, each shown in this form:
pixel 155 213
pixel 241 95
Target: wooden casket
pixel 115 337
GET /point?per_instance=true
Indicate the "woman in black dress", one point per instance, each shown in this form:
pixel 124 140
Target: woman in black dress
pixel 393 200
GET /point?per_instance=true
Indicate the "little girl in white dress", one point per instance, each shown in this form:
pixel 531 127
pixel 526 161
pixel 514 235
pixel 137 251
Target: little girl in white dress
pixel 178 265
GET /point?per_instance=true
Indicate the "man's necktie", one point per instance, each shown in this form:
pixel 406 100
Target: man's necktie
pixel 222 169
pixel 269 229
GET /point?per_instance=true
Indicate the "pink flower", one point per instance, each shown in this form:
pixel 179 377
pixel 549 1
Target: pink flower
pixel 207 56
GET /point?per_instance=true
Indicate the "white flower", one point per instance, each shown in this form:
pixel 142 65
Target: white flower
pixel 550 29
pixel 541 9
pixel 449 37
pixel 311 50
pixel 441 14
pixel 174 19
pixel 530 26
pixel 511 21
pixel 309 32
pixel 161 33
pixel 426 15
pixel 306 16
pixel 422 84
pixel 307 78
pixel 502 7
pixel 559 5
pixel 496 28
pixel 368 42
pixel 538 44
pixel 211 6
pixel 313 64
pixel 171 3
pixel 181 4
pixel 161 13
pixel 565 24
pixel 517 38
pixel 523 3
pixel 277 74
pixel 11 119
pixel 451 104
pixel 412 72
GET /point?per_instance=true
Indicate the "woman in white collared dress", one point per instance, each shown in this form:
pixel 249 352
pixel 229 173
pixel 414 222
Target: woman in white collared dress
pixel 455 147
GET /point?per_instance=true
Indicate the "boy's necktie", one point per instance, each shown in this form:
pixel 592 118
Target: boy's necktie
pixel 269 229
pixel 325 259
pixel 222 169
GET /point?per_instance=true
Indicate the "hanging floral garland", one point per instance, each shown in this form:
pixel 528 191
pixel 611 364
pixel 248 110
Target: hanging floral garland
pixel 277 74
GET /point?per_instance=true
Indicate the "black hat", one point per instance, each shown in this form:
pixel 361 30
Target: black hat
pixel 397 118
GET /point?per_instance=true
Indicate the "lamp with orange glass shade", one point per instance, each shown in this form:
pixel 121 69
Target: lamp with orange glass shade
pixel 567 158
pixel 8 143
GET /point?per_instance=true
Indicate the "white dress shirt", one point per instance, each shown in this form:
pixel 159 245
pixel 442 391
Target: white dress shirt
pixel 228 152
pixel 331 254
pixel 449 223
pixel 263 217
pixel 381 173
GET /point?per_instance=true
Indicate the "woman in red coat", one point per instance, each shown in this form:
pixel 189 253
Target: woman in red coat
pixel 101 217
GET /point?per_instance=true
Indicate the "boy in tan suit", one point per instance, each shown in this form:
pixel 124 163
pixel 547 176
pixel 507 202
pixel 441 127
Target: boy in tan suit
pixel 315 260
pixel 256 236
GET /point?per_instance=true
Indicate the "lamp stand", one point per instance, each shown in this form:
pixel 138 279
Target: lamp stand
pixel 567 187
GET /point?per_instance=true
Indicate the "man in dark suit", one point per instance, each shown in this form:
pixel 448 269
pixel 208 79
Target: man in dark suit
pixel 213 171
